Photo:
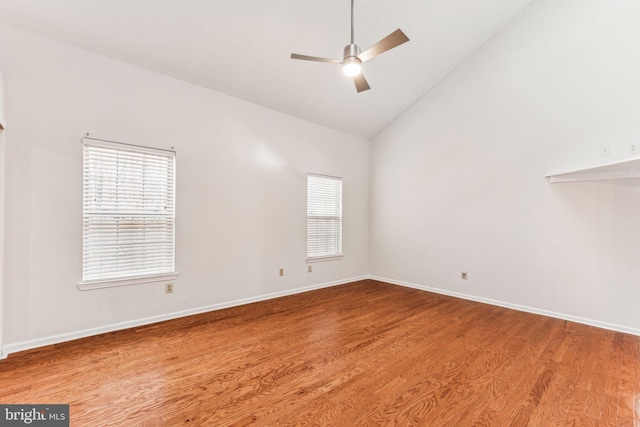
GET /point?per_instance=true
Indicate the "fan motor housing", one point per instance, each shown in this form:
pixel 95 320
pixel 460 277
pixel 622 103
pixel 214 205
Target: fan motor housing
pixel 351 51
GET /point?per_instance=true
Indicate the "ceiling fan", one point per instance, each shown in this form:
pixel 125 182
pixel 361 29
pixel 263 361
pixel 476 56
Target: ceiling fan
pixel 353 58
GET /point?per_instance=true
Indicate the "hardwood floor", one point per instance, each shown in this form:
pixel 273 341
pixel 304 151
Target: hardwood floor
pixel 366 353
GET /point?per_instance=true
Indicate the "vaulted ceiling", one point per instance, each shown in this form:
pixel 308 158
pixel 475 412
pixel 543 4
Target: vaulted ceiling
pixel 242 47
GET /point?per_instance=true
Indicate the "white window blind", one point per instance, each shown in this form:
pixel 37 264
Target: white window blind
pixel 128 212
pixel 324 217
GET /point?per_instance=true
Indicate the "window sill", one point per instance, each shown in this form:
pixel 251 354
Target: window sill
pixel 101 284
pixel 324 258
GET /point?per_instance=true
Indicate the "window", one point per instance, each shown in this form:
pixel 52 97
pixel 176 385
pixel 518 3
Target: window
pixel 324 217
pixel 128 214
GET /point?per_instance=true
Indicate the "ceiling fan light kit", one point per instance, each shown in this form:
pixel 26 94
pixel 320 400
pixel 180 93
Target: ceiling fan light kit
pixel 351 65
pixel 352 58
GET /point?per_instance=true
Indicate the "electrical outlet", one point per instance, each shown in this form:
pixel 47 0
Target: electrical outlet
pixel 168 288
pixel 463 275
pixel 282 271
pixel 604 151
pixel 309 269
pixel 633 148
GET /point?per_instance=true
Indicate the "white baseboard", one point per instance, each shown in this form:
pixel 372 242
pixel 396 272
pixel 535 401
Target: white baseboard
pixel 562 316
pixel 56 339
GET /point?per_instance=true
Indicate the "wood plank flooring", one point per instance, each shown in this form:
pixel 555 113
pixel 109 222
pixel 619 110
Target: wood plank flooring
pixel 361 354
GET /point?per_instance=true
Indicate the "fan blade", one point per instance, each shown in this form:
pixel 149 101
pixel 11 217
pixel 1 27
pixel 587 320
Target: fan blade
pixel 361 83
pixel 315 59
pixel 392 40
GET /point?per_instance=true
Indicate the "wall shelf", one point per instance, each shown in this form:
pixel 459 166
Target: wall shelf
pixel 620 169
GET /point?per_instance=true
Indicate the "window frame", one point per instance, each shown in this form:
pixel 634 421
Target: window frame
pixel 130 279
pixel 339 254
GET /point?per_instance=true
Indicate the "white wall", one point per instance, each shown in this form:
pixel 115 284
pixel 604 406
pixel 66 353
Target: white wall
pixel 458 180
pixel 2 168
pixel 2 107
pixel 241 191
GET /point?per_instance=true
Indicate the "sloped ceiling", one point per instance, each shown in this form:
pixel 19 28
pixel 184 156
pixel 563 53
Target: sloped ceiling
pixel 242 47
